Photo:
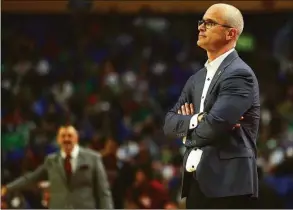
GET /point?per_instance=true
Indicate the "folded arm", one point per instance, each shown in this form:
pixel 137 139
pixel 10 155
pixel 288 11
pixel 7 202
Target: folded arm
pixel 177 125
pixel 234 99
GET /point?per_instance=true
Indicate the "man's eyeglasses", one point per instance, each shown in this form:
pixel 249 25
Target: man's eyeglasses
pixel 209 24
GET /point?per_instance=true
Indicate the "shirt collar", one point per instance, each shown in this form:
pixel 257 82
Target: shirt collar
pixel 217 62
pixel 73 154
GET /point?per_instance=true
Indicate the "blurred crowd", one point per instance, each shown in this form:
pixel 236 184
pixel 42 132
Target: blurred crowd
pixel 114 77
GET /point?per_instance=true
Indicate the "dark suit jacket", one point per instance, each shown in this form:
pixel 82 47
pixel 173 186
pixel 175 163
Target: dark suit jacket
pixel 88 187
pixel 228 164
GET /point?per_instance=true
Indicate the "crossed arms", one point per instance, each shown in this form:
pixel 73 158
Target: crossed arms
pixel 234 99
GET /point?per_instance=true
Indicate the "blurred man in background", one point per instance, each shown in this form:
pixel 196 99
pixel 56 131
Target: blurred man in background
pixel 221 172
pixel 77 176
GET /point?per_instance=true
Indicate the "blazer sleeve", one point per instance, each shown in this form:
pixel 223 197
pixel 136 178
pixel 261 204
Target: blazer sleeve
pixel 29 178
pixel 234 99
pixel 177 125
pixel 103 195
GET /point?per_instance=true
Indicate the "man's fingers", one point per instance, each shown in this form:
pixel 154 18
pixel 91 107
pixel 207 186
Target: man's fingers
pixel 183 109
pixel 187 109
pixel 3 191
pixel 191 109
pixel 236 126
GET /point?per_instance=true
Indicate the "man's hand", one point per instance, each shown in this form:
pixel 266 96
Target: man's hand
pixel 186 109
pixel 238 124
pixel 3 191
pixel 3 194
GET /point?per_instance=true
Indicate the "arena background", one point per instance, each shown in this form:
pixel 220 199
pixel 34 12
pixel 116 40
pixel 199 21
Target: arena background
pixel 113 69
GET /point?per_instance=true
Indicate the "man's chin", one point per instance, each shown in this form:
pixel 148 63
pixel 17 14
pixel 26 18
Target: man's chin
pixel 200 44
pixel 67 149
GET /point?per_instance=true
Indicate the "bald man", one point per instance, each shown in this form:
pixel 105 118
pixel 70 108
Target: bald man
pixel 220 168
pixel 76 175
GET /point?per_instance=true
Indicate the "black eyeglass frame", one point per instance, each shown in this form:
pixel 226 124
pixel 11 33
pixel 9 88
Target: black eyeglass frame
pixel 212 24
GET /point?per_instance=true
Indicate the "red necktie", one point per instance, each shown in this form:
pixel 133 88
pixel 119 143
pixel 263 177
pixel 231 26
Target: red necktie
pixel 67 166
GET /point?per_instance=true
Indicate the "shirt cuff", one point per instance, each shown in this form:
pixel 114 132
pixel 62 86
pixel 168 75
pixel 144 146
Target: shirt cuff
pixel 193 122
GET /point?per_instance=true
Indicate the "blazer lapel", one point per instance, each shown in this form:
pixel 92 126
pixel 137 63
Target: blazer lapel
pixel 227 61
pixel 198 87
pixel 80 160
pixel 60 166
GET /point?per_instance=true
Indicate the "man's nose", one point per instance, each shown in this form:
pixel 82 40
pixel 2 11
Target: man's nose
pixel 201 27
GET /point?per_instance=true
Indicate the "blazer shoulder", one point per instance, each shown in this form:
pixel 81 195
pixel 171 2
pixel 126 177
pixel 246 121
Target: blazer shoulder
pixel 193 76
pixel 201 71
pixel 91 152
pixel 239 67
pixel 51 156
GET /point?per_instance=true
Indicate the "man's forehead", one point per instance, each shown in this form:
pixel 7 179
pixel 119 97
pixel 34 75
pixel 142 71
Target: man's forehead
pixel 214 14
pixel 69 129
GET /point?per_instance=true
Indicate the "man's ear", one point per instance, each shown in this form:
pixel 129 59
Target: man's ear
pixel 232 34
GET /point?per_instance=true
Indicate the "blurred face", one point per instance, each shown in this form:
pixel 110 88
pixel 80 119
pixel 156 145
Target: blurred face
pixel 214 33
pixel 140 176
pixel 67 138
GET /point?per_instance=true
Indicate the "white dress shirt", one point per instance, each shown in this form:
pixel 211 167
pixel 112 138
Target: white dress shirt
pixel 195 155
pixel 73 155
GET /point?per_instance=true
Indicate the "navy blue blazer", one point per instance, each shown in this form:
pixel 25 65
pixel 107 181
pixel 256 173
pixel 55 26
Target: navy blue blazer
pixel 228 164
